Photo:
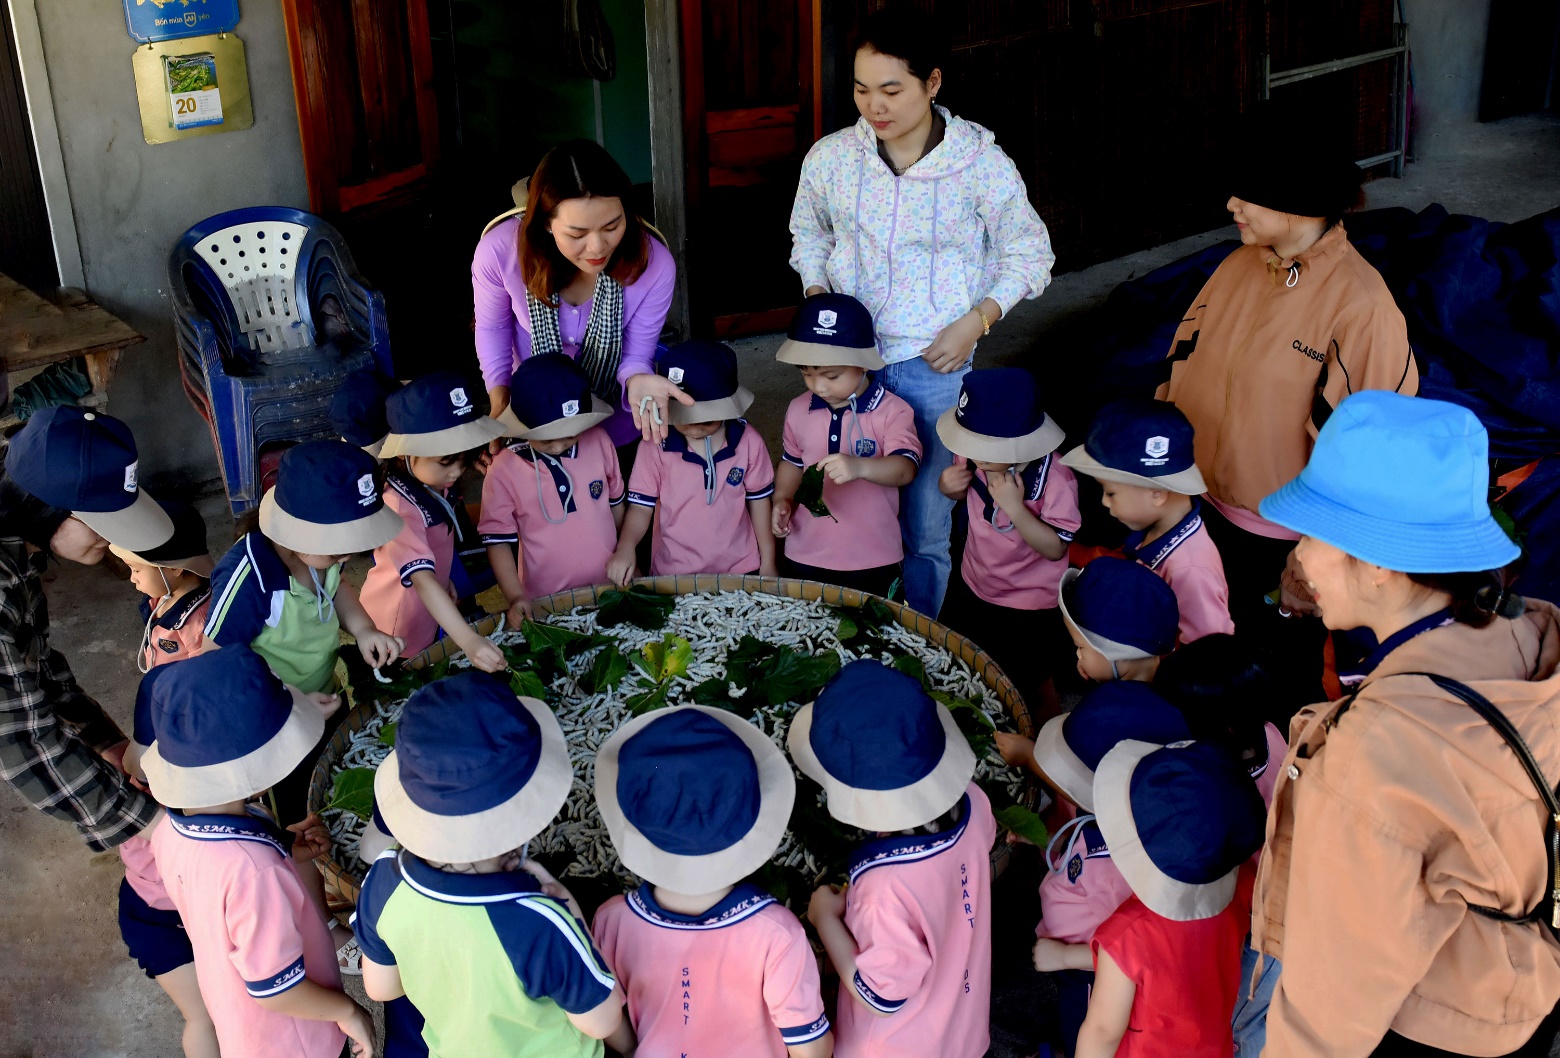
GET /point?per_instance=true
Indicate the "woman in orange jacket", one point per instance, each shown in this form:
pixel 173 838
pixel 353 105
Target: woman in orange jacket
pixel 1407 847
pixel 1288 325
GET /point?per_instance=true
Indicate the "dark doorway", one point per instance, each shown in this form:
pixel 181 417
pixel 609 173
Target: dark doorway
pixel 1520 58
pixel 26 249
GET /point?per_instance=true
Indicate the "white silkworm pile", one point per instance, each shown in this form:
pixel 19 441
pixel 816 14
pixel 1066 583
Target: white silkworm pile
pixel 714 624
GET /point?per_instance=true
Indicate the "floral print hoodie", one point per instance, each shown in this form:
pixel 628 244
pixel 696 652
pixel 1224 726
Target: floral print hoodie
pixel 922 249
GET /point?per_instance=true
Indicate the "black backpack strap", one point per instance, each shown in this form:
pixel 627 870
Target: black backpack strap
pixel 1508 731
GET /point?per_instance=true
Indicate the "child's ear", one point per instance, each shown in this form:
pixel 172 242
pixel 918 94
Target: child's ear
pixel 1159 497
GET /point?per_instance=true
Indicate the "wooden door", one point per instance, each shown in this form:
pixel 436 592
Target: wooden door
pixel 26 249
pixel 363 80
pixel 750 113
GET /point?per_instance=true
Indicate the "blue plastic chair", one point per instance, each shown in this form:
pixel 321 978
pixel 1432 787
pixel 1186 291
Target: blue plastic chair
pixel 248 288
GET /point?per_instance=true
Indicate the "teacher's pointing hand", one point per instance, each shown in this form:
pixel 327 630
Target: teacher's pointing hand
pixel 650 417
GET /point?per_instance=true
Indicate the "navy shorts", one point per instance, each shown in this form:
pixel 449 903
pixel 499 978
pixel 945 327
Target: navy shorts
pixel 156 939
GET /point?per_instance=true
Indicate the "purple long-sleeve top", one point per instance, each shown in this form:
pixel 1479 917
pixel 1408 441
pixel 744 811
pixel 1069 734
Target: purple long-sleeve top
pixel 504 326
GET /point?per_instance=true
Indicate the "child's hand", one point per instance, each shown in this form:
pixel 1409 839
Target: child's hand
pixel 359 1029
pixel 1052 955
pixel 780 517
pixel 485 456
pixel 550 885
pixel 1007 491
pixel 828 901
pixel 621 568
pixel 115 755
pixel 955 481
pixel 1017 751
pixel 312 839
pixel 519 611
pixel 841 468
pixel 328 703
pixel 380 649
pixel 484 655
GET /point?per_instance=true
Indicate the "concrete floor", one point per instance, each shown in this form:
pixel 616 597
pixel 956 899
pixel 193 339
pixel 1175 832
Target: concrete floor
pixel 66 986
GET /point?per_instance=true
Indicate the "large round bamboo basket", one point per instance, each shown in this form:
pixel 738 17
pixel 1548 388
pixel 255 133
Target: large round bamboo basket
pixel 347 881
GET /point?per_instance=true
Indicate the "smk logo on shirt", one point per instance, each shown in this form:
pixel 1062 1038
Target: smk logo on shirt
pixel 571 408
pixel 1075 867
pixel 460 402
pixel 168 646
pixel 597 488
pixel 1157 448
pixel 736 475
pixel 866 447
pixel 365 490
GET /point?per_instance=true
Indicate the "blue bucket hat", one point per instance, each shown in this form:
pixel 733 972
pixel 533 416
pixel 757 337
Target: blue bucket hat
pixel 999 418
pixel 694 797
pixel 1147 443
pixel 327 501
pixel 1070 747
pixel 1180 820
pixel 831 330
pixel 475 773
pixel 357 411
pixel 224 729
pixel 887 755
pixel 1399 482
pixel 549 398
pixel 434 416
pixel 707 372
pixel 85 462
pixel 1122 609
pixel 185 549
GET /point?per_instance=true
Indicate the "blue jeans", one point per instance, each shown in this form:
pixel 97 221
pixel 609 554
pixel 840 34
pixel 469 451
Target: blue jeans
pixel 1251 1005
pixel 925 514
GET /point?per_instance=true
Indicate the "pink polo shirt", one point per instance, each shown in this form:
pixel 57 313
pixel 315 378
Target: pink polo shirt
pixel 1267 775
pixel 919 907
pixel 180 631
pixel 999 565
pixel 141 871
pixel 254 930
pixel 562 544
pixel 426 541
pixel 693 534
pixel 739 979
pixel 1082 888
pixel 864 532
pixel 1187 559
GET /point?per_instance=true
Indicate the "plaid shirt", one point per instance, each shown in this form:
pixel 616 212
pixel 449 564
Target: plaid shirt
pixel 49 729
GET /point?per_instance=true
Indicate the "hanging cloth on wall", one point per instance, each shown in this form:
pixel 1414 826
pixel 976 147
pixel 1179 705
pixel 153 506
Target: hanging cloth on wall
pixel 588 39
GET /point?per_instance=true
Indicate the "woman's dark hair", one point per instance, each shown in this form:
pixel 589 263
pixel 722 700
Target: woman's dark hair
pixel 1349 200
pixel 906 35
pixel 1224 690
pixel 576 169
pixel 1477 598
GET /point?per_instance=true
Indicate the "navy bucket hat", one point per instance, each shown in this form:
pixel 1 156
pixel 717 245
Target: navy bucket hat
pixel 1069 747
pixel 357 411
pixel 327 501
pixel 1180 820
pixel 185 549
pixel 693 797
pixel 887 755
pixel 224 729
pixel 435 416
pixel 1145 442
pixel 707 372
pixel 85 462
pixel 549 398
pixel 1122 609
pixel 1399 482
pixel 475 773
pixel 999 418
pixel 831 330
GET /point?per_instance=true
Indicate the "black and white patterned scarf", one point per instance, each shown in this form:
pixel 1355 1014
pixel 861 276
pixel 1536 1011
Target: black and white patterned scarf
pixel 601 348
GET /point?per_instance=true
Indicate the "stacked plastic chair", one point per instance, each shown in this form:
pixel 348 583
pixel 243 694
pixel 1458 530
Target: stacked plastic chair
pixel 261 349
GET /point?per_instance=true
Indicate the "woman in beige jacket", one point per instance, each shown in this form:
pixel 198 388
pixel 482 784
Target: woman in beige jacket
pixel 1406 845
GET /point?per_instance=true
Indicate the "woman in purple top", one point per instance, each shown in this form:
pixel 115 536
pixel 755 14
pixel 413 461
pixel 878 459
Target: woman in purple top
pixel 578 273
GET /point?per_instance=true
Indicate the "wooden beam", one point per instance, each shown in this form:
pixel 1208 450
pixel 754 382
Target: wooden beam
pixel 667 161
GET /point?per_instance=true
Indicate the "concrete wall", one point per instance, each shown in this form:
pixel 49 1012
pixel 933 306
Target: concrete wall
pixel 1446 38
pixel 131 201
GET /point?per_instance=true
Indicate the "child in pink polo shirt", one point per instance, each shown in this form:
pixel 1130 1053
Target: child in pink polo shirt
pixel 435 434
pixel 1141 452
pixel 1082 886
pixel 911 936
pixel 558 494
pixel 707 486
pixel 226 729
pixel 1181 821
pixel 860 436
pixel 1122 619
pixel 175 577
pixel 729 971
pixel 1023 511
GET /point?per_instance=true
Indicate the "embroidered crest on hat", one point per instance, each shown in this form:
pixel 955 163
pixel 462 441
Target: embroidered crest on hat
pixel 366 489
pixel 460 401
pixel 827 318
pixel 1157 448
pixel 597 487
pixel 866 447
pixel 674 375
pixel 130 485
pixel 964 400
pixel 571 408
pixel 736 475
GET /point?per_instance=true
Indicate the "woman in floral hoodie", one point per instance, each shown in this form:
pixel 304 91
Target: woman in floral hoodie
pixel 920 216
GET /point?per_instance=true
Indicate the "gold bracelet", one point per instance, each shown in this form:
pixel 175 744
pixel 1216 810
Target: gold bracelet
pixel 985 321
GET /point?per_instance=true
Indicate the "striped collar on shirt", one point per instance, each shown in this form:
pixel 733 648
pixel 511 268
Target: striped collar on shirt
pixel 869 399
pixel 743 902
pixel 1154 554
pixel 448 888
pixel 908 848
pixel 186 604
pixel 248 827
pixel 433 507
